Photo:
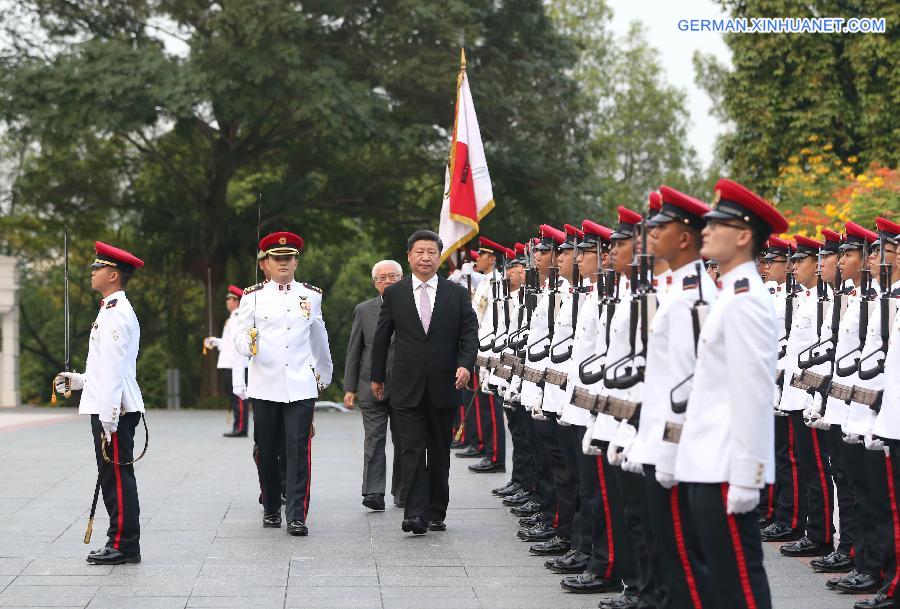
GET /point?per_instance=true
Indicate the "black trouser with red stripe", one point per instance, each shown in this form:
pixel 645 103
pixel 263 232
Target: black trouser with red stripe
pixel 848 509
pixel 892 558
pixel 732 547
pixel 596 534
pixel 474 430
pixel 815 478
pixel 291 423
pixel 637 523
pixel 543 476
pixel 493 434
pixel 683 572
pixel 519 423
pixel 616 551
pixel 867 471
pixel 790 499
pixel 241 411
pixel 119 485
pixel 563 481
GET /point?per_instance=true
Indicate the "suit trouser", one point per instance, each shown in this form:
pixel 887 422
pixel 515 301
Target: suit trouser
pixel 892 558
pixel 732 547
pixel 119 485
pixel 683 572
pixel 425 463
pixel 867 471
pixel 518 422
pixel 637 524
pixel 493 434
pixel 848 512
pixel 815 479
pixel 790 502
pixel 290 424
pixel 376 418
pixel 561 480
pixel 595 519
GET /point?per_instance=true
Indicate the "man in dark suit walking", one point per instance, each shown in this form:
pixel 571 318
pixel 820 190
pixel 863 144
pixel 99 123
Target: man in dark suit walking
pixel 358 390
pixel 435 340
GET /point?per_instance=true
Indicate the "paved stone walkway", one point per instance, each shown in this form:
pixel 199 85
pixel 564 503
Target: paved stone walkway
pixel 203 544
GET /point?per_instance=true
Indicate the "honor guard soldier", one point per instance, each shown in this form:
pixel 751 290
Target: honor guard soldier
pixel 280 325
pixel 229 359
pixel 726 450
pixel 111 396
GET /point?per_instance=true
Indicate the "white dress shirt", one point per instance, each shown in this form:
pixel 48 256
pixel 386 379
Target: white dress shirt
pixel 430 286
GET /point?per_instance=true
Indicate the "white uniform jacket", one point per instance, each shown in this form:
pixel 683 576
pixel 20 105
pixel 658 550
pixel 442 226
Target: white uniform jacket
pixel 605 426
pixel 804 334
pixel 584 346
pixel 292 343
pixel 110 375
pixel 729 426
pixel 887 425
pixel 848 339
pixel 555 396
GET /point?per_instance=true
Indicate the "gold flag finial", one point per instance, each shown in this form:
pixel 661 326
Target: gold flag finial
pixel 462 58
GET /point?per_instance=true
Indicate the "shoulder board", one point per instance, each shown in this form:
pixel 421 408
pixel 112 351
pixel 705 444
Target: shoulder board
pixel 690 283
pixel 112 303
pixel 741 286
pixel 798 288
pixel 896 292
pixel 771 290
pixel 253 288
pixel 848 290
pixel 312 287
pixel 871 293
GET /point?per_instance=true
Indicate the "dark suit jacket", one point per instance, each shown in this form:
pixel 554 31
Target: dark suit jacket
pixel 358 365
pixel 425 361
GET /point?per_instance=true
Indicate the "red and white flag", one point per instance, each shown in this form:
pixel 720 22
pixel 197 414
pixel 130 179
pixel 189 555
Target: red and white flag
pixel 468 196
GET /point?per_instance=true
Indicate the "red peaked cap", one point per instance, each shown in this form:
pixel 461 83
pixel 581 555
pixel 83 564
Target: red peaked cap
pixel 492 247
pixel 473 254
pixel 886 228
pixel 520 249
pixel 592 228
pixel 682 208
pixel 733 201
pixel 833 241
pixel 857 235
pixel 233 289
pixel 806 247
pixel 281 244
pixel 778 243
pixel 573 235
pixel 574 230
pixel 655 201
pixel 628 219
pixel 107 255
pixel 550 237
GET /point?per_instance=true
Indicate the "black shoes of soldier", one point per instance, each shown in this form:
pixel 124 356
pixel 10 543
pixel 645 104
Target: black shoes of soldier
pixel 626 600
pixel 879 601
pixel 486 466
pixel 415 525
pixel 374 502
pixel 507 490
pixel 272 521
pixel 556 546
pixel 806 547
pixel 470 453
pixel 297 528
pixel 437 525
pixel 572 561
pixel 111 556
pixel 588 583
pixel 862 583
pixel 519 498
pixel 836 562
pixel 235 434
pixel 539 532
pixel 526 522
pixel 780 532
pixel 528 509
pixel 832 582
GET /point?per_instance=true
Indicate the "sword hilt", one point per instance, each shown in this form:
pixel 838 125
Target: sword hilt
pixel 254 344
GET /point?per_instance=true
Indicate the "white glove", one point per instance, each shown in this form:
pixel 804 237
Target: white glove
pixel 816 413
pixel 665 480
pixel 500 385
pixel 466 269
pixel 586 446
pixel 512 392
pixel 621 443
pixel 876 444
pixel 632 466
pixel 741 499
pixel 537 413
pixel 76 381
pixel 483 375
pixel 109 429
pixel 781 413
pixel 776 401
pixel 240 392
pixel 852 438
pixel 213 342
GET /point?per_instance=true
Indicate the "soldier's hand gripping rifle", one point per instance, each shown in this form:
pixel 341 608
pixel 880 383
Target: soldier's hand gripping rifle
pixel 813 355
pixel 487 342
pixel 698 317
pixel 629 370
pixel 556 356
pixel 887 309
pixel 606 303
pixel 865 284
pixel 528 301
pixel 790 299
pixel 67 359
pixel 501 340
pixel 552 297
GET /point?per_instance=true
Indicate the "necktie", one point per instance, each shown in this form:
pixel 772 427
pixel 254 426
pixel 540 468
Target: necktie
pixel 424 307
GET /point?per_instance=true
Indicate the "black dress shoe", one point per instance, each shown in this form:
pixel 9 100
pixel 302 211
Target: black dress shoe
pixel 779 532
pixel 111 556
pixel 588 583
pixel 832 582
pixel 486 466
pixel 510 488
pixel 374 502
pixel 626 600
pixel 836 562
pixel 879 601
pixel 806 547
pixel 235 434
pixel 861 584
pixel 539 532
pixel 456 444
pixel 470 453
pixel 297 528
pixel 526 522
pixel 556 546
pixel 528 509
pixel 415 525
pixel 437 525
pixel 572 562
pixel 519 498
pixel 272 521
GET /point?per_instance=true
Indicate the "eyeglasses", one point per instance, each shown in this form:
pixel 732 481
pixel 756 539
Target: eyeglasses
pixel 713 223
pixel 383 278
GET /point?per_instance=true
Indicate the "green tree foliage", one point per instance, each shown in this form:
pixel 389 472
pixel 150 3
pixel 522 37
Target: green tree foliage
pixel 844 88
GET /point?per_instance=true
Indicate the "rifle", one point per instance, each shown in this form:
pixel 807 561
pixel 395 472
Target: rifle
pixel 496 292
pixel 837 311
pixel 698 316
pixel 609 301
pixel 528 301
pixel 886 312
pixel 577 290
pixel 865 281
pixel 67 360
pixel 790 286
pixel 501 340
pixel 552 282
pixel 209 328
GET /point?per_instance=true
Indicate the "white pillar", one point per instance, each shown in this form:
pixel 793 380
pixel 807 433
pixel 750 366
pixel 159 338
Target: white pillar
pixel 9 328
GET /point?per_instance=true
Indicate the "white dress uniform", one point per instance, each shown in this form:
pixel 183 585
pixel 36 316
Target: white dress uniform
pixel 554 396
pixel 292 343
pixel 804 334
pixel 531 394
pixel 605 426
pixel 110 375
pixel 887 424
pixel 483 304
pixel 848 339
pixel 728 433
pixel 584 346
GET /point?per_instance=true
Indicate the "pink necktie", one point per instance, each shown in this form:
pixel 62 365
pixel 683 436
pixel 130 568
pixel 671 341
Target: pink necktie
pixel 424 307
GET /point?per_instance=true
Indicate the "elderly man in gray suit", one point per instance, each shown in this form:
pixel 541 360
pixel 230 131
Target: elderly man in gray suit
pixel 357 387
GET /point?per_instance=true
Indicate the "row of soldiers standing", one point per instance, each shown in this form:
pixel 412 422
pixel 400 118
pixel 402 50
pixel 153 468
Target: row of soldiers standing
pixel 647 457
